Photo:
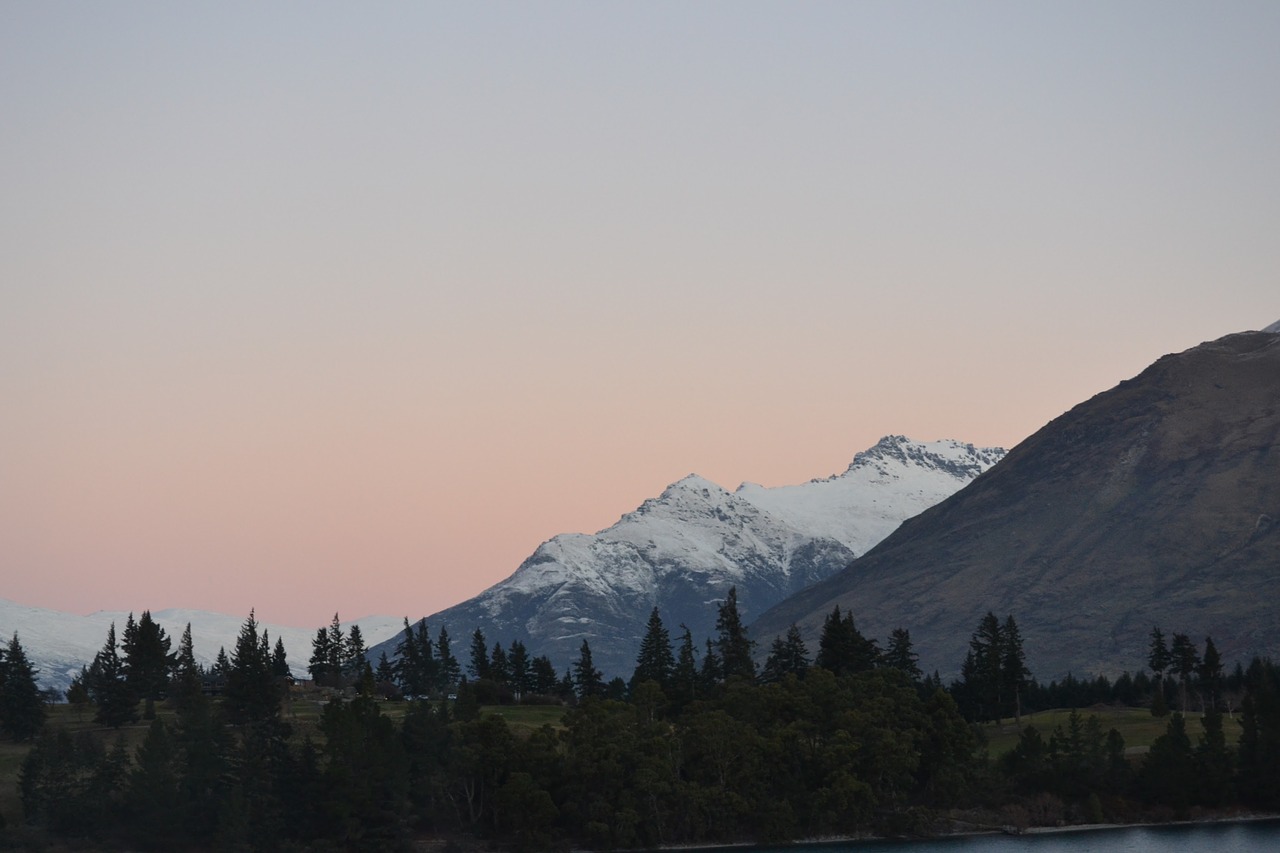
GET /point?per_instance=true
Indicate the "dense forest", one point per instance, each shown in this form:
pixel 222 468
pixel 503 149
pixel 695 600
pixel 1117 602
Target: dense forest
pixel 700 745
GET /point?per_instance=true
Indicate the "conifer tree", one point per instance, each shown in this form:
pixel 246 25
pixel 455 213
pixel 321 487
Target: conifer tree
pixel 428 658
pixel 901 656
pixel 187 674
pixel 655 662
pixel 354 663
pixel 565 688
pixel 982 670
pixel 587 680
pixel 842 648
pixel 519 675
pixel 1210 673
pixel 252 693
pixel 543 676
pixel 78 693
pixel 1214 761
pixel 279 660
pixel 684 680
pixel 733 644
pixel 22 711
pixel 1259 751
pixel 448 670
pixel 1182 653
pixel 116 702
pixel 337 648
pixel 1158 657
pixel 787 656
pixel 1014 674
pixel 385 671
pixel 711 673
pixel 321 654
pixel 408 666
pixel 499 670
pixel 153 793
pixel 147 662
pixel 221 664
pixel 479 667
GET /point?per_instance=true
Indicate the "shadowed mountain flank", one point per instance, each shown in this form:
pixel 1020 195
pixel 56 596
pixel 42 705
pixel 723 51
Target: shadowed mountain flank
pixel 1156 502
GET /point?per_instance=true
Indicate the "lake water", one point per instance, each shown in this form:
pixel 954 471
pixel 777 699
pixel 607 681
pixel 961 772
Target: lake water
pixel 1247 837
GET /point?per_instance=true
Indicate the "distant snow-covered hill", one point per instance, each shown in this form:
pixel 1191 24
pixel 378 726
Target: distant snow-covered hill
pixel 58 643
pixel 683 550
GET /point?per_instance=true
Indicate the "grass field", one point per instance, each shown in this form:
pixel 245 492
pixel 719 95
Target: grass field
pixel 1136 725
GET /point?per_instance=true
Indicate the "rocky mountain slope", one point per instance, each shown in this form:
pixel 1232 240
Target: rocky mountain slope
pixel 683 550
pixel 1156 502
pixel 58 643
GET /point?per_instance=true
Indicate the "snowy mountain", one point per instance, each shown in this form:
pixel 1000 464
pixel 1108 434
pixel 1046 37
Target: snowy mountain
pixel 58 643
pixel 683 550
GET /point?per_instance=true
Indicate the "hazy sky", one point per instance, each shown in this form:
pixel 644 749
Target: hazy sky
pixel 328 306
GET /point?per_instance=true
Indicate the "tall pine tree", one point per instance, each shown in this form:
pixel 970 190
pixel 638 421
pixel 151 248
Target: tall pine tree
pixel 116 702
pixel 1014 675
pixel 733 644
pixel 787 656
pixel 22 711
pixel 147 662
pixel 655 662
pixel 253 694
pixel 587 680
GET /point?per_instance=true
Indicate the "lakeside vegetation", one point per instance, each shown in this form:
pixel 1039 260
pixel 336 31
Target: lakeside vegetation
pixel 695 749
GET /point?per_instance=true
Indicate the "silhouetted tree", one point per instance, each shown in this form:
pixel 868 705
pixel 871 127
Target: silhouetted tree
pixel 449 671
pixel 479 666
pixel 655 662
pixel 842 649
pixel 279 660
pixel 252 694
pixel 732 643
pixel 22 711
pixel 1014 674
pixel 147 662
pixel 187 675
pixel 587 680
pixel 787 656
pixel 900 655
pixel 116 702
pixel 1185 661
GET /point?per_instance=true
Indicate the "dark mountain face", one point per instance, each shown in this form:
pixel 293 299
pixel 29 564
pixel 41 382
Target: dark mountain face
pixel 1154 503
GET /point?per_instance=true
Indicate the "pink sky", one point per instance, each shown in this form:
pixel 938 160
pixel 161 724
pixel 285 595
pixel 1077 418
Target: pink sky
pixel 315 310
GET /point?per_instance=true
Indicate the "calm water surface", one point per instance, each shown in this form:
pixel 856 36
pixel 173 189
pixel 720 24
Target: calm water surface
pixel 1249 837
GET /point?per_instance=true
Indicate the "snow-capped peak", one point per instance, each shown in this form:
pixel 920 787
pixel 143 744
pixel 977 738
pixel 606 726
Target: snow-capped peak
pixel 1274 328
pixel 882 487
pixel 960 459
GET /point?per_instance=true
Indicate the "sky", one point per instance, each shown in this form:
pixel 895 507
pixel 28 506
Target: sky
pixel 319 306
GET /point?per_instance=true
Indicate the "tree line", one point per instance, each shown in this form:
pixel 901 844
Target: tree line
pixel 701 745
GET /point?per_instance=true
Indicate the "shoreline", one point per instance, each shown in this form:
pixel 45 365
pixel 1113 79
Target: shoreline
pixel 974 833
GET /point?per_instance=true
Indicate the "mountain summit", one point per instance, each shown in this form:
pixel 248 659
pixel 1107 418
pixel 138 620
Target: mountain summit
pixel 1154 503
pixel 683 550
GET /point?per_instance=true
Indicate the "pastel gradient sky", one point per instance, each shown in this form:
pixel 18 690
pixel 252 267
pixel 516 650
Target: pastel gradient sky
pixel 329 306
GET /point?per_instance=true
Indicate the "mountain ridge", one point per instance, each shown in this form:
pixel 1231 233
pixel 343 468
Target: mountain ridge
pixel 682 550
pixel 1147 504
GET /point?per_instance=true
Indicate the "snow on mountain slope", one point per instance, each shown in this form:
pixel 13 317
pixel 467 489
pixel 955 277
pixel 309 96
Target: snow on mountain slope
pixel 881 488
pixel 683 550
pixel 58 643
